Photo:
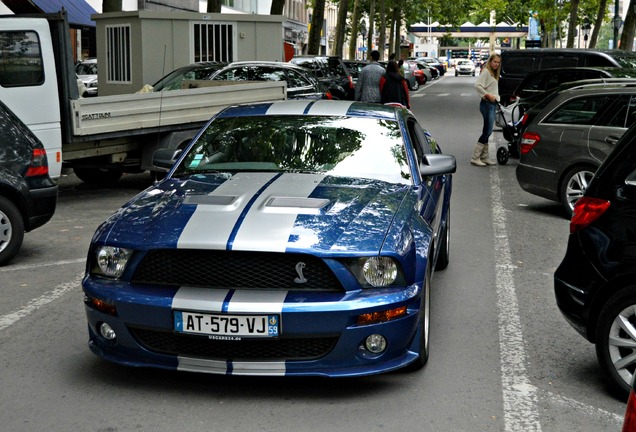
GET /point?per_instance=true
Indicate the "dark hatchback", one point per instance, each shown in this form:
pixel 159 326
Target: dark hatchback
pixel 28 196
pixel 595 284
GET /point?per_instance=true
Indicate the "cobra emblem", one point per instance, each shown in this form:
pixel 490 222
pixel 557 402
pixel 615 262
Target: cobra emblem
pixel 299 269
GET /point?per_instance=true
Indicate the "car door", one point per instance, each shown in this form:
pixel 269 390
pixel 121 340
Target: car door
pixel 611 126
pixel 564 133
pixel 301 87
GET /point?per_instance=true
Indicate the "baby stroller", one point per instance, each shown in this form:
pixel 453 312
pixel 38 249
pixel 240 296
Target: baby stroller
pixel 508 118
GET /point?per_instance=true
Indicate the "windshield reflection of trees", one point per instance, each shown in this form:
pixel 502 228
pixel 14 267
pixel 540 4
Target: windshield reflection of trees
pixel 338 146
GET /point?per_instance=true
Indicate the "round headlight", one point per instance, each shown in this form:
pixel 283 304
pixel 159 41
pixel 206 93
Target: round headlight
pixel 112 260
pixel 380 271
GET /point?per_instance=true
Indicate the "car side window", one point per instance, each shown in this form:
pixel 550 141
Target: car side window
pixel 267 73
pixel 580 111
pixel 549 62
pixel 631 112
pixel 234 74
pixel 617 113
pixel 295 80
pixel 517 64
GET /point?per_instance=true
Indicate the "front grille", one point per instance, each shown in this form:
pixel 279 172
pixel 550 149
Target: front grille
pixel 285 348
pixel 234 270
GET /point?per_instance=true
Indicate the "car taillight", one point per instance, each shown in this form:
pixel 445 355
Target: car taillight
pixel 328 95
pixel 587 210
pixel 524 119
pixel 629 423
pixel 528 141
pixel 39 165
pixel 351 84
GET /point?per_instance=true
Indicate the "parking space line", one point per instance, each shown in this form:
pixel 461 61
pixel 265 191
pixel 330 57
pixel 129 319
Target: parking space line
pixel 35 304
pixel 519 396
pixel 36 266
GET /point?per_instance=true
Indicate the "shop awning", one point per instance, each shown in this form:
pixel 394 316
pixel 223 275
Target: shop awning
pixel 78 11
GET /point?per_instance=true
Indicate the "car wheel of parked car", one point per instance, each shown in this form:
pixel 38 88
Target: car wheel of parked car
pixel 415 86
pixel 444 251
pixel 615 339
pixel 423 329
pixel 573 186
pixel 98 176
pixel 11 230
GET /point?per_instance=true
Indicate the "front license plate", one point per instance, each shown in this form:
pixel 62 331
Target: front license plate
pixel 227 325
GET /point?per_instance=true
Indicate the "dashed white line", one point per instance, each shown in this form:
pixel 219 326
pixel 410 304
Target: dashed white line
pixel 10 319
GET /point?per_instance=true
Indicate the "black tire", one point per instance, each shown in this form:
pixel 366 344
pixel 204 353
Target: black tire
pixel 98 176
pixel 443 256
pixel 415 86
pixel 11 230
pixel 573 186
pixel 502 156
pixel 618 313
pixel 456 73
pixel 423 333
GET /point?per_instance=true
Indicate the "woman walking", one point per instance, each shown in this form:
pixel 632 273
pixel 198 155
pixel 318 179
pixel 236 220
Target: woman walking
pixel 487 87
pixel 393 86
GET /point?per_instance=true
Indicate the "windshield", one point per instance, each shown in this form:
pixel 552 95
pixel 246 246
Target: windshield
pixel 173 80
pixel 338 146
pixel 627 60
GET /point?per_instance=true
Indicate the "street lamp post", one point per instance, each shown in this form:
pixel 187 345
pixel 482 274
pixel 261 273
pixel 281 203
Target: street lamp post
pixel 586 30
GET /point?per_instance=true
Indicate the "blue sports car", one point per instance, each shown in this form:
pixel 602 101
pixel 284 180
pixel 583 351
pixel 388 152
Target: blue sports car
pixel 289 238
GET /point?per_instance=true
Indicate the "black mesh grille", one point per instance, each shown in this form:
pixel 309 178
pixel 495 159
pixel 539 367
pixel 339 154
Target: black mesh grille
pixel 306 348
pixel 234 270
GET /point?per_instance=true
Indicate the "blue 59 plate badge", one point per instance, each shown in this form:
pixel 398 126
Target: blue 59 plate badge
pixel 253 326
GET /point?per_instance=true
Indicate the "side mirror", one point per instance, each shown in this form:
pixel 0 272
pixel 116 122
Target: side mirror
pixel 165 157
pixel 437 164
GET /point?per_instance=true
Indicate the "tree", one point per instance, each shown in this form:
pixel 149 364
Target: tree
pixel 111 6
pixel 355 21
pixel 370 34
pixel 277 8
pixel 341 27
pixel 382 35
pixel 629 27
pixel 598 23
pixel 317 17
pixel 214 6
pixel 573 22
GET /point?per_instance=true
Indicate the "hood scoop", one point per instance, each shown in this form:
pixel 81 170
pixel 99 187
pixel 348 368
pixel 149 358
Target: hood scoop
pixel 296 205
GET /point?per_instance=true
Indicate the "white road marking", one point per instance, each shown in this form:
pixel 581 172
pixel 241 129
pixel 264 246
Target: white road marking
pixel 36 266
pixel 586 409
pixel 520 400
pixel 35 304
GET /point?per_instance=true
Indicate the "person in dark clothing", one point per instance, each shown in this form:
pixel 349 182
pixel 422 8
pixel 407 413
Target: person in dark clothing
pixel 393 86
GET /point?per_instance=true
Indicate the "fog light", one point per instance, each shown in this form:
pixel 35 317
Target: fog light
pixel 375 343
pixel 107 331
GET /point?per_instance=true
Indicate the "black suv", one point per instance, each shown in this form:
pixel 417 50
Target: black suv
pixel 331 72
pixel 595 284
pixel 28 196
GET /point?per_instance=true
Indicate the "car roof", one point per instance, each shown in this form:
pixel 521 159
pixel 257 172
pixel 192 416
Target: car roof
pixel 333 108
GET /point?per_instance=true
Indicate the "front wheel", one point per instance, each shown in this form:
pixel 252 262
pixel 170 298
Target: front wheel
pixel 443 257
pixel 573 186
pixel 616 340
pixel 423 330
pixel 11 230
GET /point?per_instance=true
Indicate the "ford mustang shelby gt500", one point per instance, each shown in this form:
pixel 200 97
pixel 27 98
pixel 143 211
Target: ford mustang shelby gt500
pixel 289 238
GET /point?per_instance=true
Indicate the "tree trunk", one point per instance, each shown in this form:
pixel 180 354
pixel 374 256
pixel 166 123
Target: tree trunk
pixel 341 27
pixel 214 6
pixel 397 19
pixel 382 39
pixel 598 23
pixel 277 8
pixel 317 18
pixel 370 35
pixel 355 22
pixel 111 6
pixel 574 11
pixel 629 27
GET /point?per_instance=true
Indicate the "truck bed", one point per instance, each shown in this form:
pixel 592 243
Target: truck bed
pixel 120 113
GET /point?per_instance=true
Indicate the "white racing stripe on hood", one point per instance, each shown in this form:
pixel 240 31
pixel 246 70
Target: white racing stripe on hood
pixel 261 302
pixel 211 225
pixel 289 107
pixel 267 228
pixel 199 299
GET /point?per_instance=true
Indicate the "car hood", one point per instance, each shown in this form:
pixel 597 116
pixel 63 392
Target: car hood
pixel 274 212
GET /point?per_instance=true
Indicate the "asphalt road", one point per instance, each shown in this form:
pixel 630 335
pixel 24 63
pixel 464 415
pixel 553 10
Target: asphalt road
pixel 502 357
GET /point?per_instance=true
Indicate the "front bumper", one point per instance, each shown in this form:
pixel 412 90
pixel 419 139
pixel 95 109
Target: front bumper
pixel 146 337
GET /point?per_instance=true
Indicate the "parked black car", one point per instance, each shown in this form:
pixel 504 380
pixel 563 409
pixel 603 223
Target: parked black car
pixel 567 141
pixel 517 63
pixel 28 195
pixel 595 284
pixel 331 72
